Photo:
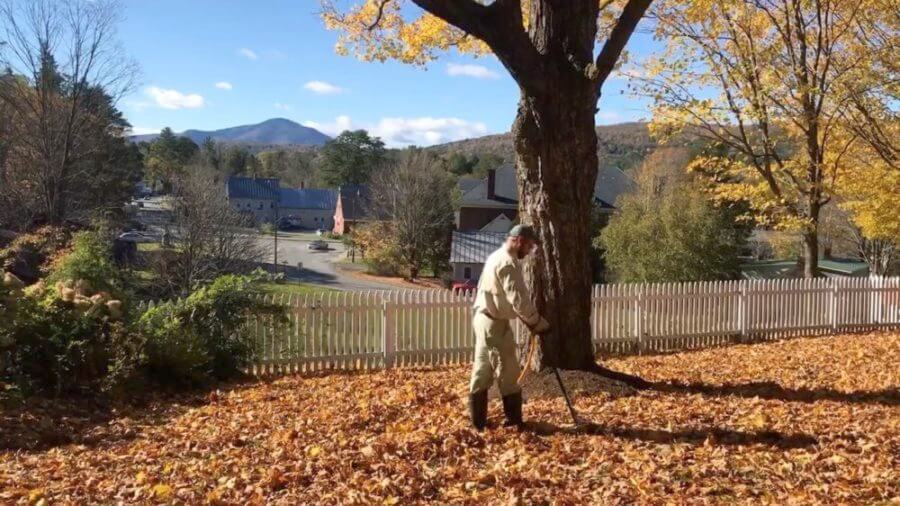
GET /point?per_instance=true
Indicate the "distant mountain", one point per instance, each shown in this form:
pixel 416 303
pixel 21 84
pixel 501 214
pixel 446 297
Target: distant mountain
pixel 622 146
pixel 273 132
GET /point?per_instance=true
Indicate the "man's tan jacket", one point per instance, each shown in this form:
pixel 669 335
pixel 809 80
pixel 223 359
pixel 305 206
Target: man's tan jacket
pixel 502 294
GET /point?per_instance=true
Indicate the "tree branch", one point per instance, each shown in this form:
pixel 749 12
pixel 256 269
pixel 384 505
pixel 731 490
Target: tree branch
pixel 499 25
pixel 378 16
pixel 467 15
pixel 612 48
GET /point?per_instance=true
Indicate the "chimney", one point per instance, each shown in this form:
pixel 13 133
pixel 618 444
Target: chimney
pixel 491 178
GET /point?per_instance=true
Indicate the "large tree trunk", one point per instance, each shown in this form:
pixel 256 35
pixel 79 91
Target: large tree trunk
pixel 811 241
pixel 556 148
pixel 559 76
pixel 810 254
pixel 556 155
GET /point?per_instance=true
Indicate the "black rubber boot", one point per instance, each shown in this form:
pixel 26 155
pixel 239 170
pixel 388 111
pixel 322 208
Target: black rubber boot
pixel 478 406
pixel 512 408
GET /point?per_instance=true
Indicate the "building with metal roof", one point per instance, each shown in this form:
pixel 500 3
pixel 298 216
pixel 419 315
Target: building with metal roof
pixel 266 200
pixel 469 250
pixel 483 200
pixel 786 269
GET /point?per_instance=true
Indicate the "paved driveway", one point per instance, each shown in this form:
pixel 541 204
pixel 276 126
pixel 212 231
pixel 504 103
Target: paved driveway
pixel 318 267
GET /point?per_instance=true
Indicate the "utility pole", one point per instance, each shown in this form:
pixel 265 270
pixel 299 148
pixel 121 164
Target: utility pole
pixel 353 215
pixel 275 261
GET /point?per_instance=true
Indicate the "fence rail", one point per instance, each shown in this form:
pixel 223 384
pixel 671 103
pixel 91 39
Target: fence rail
pixel 362 330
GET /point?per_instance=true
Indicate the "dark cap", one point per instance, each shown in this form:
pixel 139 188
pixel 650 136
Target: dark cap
pixel 525 231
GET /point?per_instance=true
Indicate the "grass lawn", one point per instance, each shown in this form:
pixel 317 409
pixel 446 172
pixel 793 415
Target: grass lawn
pixel 803 421
pixel 294 288
pixel 149 246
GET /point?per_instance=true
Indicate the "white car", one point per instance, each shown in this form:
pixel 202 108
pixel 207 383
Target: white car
pixel 320 232
pixel 136 236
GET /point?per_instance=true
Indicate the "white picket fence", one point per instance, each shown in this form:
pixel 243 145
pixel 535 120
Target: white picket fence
pixel 363 330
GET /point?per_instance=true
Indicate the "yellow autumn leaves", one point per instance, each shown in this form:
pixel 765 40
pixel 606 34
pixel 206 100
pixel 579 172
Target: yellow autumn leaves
pixel 766 423
pixel 779 99
pixel 377 30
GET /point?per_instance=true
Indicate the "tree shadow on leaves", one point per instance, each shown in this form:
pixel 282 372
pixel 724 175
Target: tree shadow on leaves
pixel 38 424
pixel 773 391
pixel 714 436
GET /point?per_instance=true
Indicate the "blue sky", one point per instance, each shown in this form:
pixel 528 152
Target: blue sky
pixel 210 64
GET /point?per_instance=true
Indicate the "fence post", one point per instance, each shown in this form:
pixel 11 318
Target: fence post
pixel 387 333
pixel 875 285
pixel 743 309
pixel 639 319
pixel 834 304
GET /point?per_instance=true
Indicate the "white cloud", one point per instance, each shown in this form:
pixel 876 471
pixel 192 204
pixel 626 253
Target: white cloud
pixel 402 132
pixel 425 131
pixel 224 85
pixel 174 99
pixel 331 128
pixel 144 130
pixel 283 107
pixel 248 53
pixel 609 117
pixel 476 71
pixel 323 88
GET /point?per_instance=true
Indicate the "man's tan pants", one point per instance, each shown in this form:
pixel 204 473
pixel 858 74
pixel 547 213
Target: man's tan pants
pixel 495 350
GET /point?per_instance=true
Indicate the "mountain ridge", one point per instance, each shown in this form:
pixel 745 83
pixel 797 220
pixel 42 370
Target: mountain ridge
pixel 274 132
pixel 622 145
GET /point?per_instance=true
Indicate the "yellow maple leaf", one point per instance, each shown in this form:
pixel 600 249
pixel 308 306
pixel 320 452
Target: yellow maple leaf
pixel 163 492
pixel 314 451
pixel 391 501
pixel 35 495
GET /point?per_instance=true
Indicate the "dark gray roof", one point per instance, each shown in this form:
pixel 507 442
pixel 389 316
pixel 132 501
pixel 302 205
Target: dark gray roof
pixel 467 183
pixel 308 198
pixel 474 247
pixel 611 182
pixel 252 188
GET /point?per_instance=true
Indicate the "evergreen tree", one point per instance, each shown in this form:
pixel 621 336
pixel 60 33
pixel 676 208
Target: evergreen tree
pixel 351 158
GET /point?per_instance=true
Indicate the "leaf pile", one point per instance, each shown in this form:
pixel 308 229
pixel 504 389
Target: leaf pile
pixel 799 422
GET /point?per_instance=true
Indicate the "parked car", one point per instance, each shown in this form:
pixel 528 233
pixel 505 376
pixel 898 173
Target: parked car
pixel 317 245
pixel 320 232
pixel 137 236
pixel 464 287
pixel 288 223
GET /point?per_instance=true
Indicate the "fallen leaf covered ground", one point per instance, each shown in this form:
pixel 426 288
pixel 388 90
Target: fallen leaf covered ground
pixel 803 421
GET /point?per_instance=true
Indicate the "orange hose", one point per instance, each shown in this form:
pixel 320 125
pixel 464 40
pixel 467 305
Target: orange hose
pixel 528 358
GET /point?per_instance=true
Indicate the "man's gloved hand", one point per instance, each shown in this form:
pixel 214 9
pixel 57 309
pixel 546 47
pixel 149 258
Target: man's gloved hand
pixel 541 327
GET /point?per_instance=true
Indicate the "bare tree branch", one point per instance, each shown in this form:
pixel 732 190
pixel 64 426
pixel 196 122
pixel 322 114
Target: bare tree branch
pixel 606 61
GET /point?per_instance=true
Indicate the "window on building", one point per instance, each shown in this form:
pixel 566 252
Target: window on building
pixel 260 206
pixel 467 273
pixel 272 205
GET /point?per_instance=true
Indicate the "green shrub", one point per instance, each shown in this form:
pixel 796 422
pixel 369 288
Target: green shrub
pixel 65 340
pixel 205 336
pixel 90 260
pixel 54 345
pixel 380 252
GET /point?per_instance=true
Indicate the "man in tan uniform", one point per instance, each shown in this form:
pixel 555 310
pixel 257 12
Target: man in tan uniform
pixel 502 297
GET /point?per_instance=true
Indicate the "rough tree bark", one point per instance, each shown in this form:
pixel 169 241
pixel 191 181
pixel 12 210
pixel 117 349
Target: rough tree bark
pixel 559 79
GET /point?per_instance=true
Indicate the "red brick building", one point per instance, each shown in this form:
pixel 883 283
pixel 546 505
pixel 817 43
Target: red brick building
pixel 352 208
